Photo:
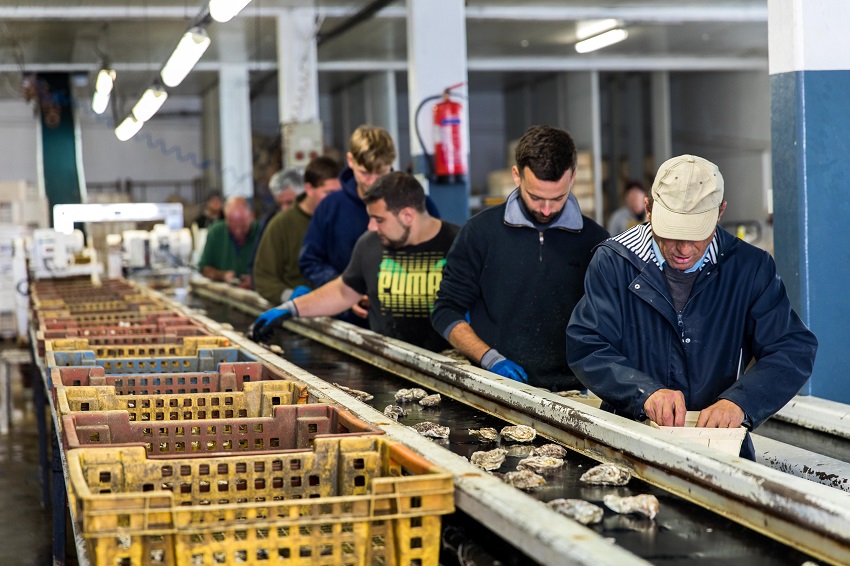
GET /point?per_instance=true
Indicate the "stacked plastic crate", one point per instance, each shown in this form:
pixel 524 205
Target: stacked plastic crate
pixel 184 450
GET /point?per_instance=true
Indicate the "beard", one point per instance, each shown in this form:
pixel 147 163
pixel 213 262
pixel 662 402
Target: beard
pixel 399 243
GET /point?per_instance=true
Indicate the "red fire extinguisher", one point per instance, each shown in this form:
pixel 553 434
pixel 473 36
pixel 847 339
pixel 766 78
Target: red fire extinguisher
pixel 449 152
pixel 449 161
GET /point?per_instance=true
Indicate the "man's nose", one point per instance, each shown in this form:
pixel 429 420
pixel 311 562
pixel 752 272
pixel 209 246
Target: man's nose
pixel 373 226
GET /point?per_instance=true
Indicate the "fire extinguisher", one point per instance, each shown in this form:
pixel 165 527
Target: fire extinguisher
pixel 449 161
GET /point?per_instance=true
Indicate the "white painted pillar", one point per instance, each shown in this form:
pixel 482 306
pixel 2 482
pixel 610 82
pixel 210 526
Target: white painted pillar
pixel 381 104
pixel 297 71
pixel 234 92
pixel 436 56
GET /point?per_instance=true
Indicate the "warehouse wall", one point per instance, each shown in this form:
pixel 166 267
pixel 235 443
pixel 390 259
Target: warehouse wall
pixel 725 117
pixel 18 141
pixel 168 148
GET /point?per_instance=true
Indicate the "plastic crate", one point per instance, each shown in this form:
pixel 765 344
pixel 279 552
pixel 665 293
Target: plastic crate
pixel 108 335
pixel 67 323
pixel 255 400
pixel 290 427
pixel 207 359
pixel 53 319
pixel 110 311
pixel 129 348
pixel 349 501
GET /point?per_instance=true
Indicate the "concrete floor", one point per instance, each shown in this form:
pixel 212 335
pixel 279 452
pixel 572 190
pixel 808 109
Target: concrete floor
pixel 26 528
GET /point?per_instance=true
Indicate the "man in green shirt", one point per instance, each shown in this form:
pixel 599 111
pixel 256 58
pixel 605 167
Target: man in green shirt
pixel 276 271
pixel 230 244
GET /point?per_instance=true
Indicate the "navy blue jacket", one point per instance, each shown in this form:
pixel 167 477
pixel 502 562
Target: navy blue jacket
pixel 519 284
pixel 339 220
pixel 625 340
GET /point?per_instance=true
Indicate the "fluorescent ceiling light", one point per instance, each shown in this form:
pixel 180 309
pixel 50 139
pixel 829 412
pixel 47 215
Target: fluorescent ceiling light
pixel 224 10
pixel 105 81
pixel 128 128
pixel 151 101
pixel 99 102
pixel 602 40
pixel 589 28
pixel 190 49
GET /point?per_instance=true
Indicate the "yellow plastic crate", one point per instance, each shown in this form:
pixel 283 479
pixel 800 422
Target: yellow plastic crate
pixel 350 501
pixel 186 346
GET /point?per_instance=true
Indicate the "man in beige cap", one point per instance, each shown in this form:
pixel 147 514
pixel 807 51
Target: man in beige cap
pixel 676 309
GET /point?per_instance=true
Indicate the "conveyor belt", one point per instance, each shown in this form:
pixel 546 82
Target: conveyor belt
pixel 683 532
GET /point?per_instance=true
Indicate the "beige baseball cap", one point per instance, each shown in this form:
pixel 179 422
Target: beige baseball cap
pixel 686 194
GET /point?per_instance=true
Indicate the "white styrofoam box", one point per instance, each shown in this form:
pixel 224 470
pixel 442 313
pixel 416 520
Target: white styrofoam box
pixel 28 214
pixel 12 191
pixel 8 324
pixel 726 440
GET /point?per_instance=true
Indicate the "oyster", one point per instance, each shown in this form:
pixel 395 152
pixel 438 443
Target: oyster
pixel 578 509
pixel 432 430
pixel 455 355
pixel 607 474
pixel 356 393
pixel 485 434
pixel 540 464
pixel 570 393
pixel 644 504
pixel 490 460
pixel 410 395
pixel 524 479
pixel 276 349
pixel 519 433
pixel 395 412
pixel 430 400
pixel 551 450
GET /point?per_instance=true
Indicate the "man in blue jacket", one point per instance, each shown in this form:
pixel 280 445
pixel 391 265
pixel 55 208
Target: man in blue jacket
pixel 676 309
pixel 518 269
pixel 341 218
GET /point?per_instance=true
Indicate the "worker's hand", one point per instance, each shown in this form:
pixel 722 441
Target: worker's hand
pixel 244 282
pixel 228 276
pixel 511 370
pixel 299 291
pixel 723 414
pixel 666 407
pixel 361 308
pixel 266 323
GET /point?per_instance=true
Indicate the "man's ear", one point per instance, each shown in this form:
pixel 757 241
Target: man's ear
pixel 407 215
pixel 646 206
pixel 349 159
pixel 516 175
pixel 722 209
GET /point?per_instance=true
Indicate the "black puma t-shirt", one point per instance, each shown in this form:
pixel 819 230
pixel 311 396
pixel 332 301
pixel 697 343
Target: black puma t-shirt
pixel 401 285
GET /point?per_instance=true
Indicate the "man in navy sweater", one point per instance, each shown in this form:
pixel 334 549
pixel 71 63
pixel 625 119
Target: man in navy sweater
pixel 518 269
pixel 341 218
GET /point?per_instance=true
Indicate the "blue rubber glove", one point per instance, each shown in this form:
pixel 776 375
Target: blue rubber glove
pixel 299 291
pixel 493 361
pixel 511 370
pixel 266 323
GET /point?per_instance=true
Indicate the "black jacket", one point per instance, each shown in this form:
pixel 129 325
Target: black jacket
pixel 519 285
pixel 625 340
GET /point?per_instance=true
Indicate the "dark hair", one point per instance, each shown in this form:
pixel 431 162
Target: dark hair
pixel 633 184
pixel 320 169
pixel 398 190
pixel 212 195
pixel 549 152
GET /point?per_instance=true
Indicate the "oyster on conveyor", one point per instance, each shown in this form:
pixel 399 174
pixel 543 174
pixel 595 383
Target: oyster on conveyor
pixel 276 349
pixel 524 479
pixel 607 474
pixel 578 509
pixel 356 393
pixel 432 430
pixel 570 393
pixel 395 412
pixel 551 450
pixel 430 400
pixel 490 460
pixel 410 395
pixel 540 464
pixel 455 355
pixel 644 504
pixel 519 433
pixel 485 434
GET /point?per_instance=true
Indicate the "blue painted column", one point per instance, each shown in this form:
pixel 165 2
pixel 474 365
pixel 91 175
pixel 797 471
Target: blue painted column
pixel 436 56
pixel 810 133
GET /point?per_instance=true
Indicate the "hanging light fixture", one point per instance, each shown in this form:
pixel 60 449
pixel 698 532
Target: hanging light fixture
pixel 128 128
pixel 151 101
pixel 99 102
pixel 187 53
pixel 102 90
pixel 224 10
